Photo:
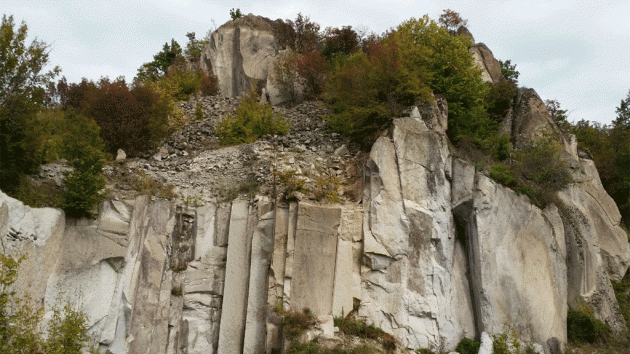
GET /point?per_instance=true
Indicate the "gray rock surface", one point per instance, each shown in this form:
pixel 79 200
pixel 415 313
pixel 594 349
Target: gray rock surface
pixel 241 53
pixel 483 57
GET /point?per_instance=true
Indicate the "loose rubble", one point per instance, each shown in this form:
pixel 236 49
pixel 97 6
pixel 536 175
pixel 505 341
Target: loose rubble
pixel 202 171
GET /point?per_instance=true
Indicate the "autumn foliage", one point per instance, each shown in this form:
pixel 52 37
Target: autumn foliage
pixel 133 119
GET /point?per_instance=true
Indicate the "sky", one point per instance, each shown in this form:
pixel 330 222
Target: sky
pixel 576 52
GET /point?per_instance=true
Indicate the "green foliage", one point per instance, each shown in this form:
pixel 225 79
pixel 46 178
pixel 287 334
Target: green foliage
pixel 235 14
pixel 83 149
pixel 467 346
pixel 198 111
pixel 67 330
pixel 177 291
pixel 558 115
pixel 610 148
pixel 506 342
pixel 367 91
pixel 582 326
pixel 21 87
pixel 452 73
pixel 286 77
pixel 539 171
pixel 425 351
pixel 543 163
pixel 509 71
pixel 194 47
pixel 343 41
pixel 623 114
pixel 133 119
pixel 251 121
pixel 503 174
pixel 39 195
pixel 161 62
pixel 145 185
pixel 500 98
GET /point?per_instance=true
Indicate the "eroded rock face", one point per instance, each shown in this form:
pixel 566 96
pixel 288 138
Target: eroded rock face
pixel 241 53
pixel 597 247
pixel 413 278
pixel 483 57
pixel 517 256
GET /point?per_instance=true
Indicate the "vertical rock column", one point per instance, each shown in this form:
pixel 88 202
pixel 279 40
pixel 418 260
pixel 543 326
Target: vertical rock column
pixel 150 315
pixel 315 257
pixel 276 279
pixel 234 306
pixel 262 250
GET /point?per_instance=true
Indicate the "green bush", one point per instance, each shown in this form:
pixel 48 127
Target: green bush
pixel 582 327
pixel 290 184
pixel 67 330
pixel 251 121
pixel 198 112
pixel 468 346
pixel 502 174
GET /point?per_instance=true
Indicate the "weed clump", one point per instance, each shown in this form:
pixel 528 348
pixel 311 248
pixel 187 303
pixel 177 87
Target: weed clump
pixel 361 329
pixel 296 323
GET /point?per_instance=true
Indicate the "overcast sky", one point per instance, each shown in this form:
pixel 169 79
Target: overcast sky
pixel 577 52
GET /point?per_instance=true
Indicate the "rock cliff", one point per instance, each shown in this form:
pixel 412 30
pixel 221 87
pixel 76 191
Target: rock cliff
pixel 435 251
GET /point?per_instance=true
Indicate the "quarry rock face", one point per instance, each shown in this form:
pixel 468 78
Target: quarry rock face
pixel 434 252
pixel 242 54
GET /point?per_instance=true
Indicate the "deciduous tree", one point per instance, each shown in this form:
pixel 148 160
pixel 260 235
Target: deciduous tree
pixel 22 83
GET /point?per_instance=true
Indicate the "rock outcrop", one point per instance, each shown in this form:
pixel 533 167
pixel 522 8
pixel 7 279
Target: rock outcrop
pixel 490 67
pixel 242 54
pixel 436 251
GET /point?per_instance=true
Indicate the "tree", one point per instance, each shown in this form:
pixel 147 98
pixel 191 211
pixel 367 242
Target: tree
pixel 83 148
pixel 452 72
pixel 509 71
pixel 285 76
pixel 306 36
pixel 342 40
pixel 194 47
pixel 558 115
pixel 623 114
pixel 235 14
pixel 22 83
pixel 161 62
pixel 452 21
